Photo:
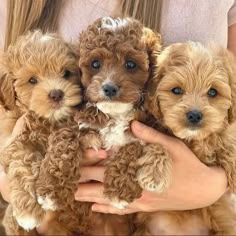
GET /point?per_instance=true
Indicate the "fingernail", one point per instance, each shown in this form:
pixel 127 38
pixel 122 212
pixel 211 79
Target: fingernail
pixel 137 125
pixel 102 154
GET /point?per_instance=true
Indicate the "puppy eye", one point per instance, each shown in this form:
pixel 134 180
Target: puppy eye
pixel 67 74
pixel 96 64
pixel 212 92
pixel 130 65
pixel 33 80
pixel 177 91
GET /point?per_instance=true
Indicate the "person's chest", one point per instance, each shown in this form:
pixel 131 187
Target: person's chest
pixel 203 20
pixel 76 15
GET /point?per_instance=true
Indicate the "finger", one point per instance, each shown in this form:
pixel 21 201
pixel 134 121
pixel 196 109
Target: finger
pixel 92 156
pixel 107 209
pixel 4 186
pixel 88 191
pixel 89 173
pixel 150 135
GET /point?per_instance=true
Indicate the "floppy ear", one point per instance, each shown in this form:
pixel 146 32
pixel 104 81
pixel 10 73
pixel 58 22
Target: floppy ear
pixel 7 93
pixel 152 41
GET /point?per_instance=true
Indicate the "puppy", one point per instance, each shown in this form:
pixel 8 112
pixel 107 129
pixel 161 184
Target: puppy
pixel 42 83
pixel 193 96
pixel 116 58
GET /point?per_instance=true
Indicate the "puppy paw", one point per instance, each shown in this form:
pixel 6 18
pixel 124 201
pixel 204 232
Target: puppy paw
pixel 46 203
pixel 27 222
pixel 154 169
pixel 120 204
pixel 151 184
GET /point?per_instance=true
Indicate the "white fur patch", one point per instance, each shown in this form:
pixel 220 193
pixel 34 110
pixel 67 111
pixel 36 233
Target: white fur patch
pixel 47 203
pixel 114 108
pixel 113 24
pixel 188 133
pixel 46 38
pixel 27 222
pixel 114 134
pixel 119 204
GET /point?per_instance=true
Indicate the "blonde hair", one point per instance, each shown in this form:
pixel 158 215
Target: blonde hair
pixel 24 15
pixel 147 11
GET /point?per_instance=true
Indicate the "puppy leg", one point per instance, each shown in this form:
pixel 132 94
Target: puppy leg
pixel 59 171
pixel 154 168
pixel 120 184
pixel 22 171
pixel 221 217
pixel 11 227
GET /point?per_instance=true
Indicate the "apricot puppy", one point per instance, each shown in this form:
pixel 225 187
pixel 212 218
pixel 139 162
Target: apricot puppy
pixel 193 96
pixel 42 83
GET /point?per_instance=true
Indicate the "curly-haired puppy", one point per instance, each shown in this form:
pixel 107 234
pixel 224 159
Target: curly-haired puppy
pixel 116 55
pixel 43 84
pixel 193 96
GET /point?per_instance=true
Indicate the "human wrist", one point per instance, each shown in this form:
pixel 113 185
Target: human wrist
pixel 218 182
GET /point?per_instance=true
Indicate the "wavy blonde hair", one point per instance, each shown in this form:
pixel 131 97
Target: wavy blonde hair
pixel 24 15
pixel 147 11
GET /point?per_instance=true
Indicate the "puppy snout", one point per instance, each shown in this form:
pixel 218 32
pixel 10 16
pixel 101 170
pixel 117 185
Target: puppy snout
pixel 56 95
pixel 110 90
pixel 194 116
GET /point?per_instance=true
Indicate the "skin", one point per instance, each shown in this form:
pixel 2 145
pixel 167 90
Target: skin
pixel 231 38
pixel 190 183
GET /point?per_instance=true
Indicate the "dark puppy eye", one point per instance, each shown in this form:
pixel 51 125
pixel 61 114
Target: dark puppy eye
pixel 212 92
pixel 130 65
pixel 33 80
pixel 67 74
pixel 95 64
pixel 177 91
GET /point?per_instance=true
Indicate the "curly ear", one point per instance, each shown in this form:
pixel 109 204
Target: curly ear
pixel 152 41
pixel 7 93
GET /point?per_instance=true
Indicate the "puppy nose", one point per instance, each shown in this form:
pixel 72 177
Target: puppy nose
pixel 194 116
pixel 110 90
pixel 56 95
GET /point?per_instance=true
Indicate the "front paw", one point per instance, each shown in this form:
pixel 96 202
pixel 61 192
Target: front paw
pixel 117 203
pixel 47 203
pixel 120 195
pixel 27 222
pixel 154 169
pixel 149 183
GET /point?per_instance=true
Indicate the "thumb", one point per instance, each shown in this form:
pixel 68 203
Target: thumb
pixel 149 134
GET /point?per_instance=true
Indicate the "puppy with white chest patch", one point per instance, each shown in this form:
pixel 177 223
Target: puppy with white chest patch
pixel 116 58
pixel 193 96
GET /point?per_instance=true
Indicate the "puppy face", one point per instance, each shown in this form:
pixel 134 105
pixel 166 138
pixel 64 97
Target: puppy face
pixel 194 90
pixel 115 59
pixel 45 75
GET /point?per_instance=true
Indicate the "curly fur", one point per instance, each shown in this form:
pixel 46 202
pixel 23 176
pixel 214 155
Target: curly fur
pixel 196 69
pixel 113 42
pixel 42 161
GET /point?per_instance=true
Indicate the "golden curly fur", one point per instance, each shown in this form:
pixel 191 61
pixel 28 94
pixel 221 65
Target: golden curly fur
pixel 42 83
pixel 116 59
pixel 193 95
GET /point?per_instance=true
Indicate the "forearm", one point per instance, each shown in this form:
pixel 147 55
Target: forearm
pixel 232 38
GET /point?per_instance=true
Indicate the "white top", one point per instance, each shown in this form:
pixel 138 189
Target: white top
pixel 182 20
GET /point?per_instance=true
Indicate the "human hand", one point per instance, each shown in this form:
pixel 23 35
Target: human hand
pixel 193 183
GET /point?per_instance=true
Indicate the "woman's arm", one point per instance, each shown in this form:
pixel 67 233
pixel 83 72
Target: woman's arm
pixel 232 38
pixel 193 183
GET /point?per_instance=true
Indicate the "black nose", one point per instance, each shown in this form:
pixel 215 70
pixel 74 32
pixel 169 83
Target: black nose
pixel 110 90
pixel 194 116
pixel 56 95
